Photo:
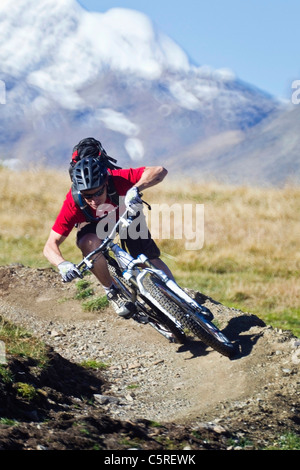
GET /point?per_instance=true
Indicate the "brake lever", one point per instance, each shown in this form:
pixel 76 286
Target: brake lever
pixel 148 205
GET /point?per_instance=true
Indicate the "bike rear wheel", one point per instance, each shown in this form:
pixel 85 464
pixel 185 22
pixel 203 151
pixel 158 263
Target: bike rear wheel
pixel 200 326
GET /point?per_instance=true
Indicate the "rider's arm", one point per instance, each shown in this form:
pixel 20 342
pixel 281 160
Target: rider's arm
pixel 51 249
pixel 151 176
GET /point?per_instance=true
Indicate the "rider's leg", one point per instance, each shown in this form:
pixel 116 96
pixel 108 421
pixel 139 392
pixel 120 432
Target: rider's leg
pixel 159 264
pixel 148 247
pixel 87 242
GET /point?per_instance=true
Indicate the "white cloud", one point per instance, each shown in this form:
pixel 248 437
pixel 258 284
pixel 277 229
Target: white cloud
pixel 185 98
pixel 117 122
pixel 128 40
pixel 226 75
pixel 135 149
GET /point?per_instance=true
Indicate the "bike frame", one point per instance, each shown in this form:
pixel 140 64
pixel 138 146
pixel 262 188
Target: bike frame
pixel 128 264
pixel 134 271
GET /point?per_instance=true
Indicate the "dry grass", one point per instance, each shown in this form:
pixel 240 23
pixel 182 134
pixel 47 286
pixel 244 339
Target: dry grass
pixel 30 202
pixel 251 253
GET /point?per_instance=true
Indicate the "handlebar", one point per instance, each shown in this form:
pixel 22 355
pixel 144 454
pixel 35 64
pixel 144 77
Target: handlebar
pixel 87 262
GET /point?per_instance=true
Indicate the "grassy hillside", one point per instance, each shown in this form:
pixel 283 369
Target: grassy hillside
pixel 250 258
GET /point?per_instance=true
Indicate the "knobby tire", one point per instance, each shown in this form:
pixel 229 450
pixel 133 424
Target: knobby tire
pixel 209 334
pixel 156 316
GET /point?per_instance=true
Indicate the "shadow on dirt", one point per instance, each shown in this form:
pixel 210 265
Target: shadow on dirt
pixel 241 324
pixel 35 391
pixel 233 331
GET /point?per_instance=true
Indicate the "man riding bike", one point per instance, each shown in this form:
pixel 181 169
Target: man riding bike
pixel 91 189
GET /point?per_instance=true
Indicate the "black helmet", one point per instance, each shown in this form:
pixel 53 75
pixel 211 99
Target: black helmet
pixel 89 173
pixel 90 147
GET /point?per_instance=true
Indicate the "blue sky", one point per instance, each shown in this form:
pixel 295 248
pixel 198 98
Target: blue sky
pixel 257 39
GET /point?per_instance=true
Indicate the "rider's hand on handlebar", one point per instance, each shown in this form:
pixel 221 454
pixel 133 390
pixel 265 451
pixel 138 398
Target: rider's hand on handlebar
pixel 68 271
pixel 133 200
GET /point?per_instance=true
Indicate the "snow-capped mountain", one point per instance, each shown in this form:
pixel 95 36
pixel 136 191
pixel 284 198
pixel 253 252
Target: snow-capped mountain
pixel 67 73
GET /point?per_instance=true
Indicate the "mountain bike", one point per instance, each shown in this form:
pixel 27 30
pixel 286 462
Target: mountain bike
pixel 157 300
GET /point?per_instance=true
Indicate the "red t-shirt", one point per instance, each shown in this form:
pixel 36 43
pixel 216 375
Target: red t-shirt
pixel 70 214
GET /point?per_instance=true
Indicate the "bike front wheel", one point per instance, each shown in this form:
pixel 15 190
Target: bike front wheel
pixel 200 326
pixel 168 327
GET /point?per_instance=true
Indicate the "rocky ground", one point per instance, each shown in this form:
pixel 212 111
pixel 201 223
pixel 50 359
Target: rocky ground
pixel 152 394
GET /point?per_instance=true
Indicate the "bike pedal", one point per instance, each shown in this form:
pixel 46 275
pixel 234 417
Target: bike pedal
pixel 131 311
pixel 141 318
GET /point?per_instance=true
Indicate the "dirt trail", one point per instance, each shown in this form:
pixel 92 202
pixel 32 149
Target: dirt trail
pixel 184 385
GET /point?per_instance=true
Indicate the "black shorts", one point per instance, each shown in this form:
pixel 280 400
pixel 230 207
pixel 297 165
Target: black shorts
pixel 145 245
